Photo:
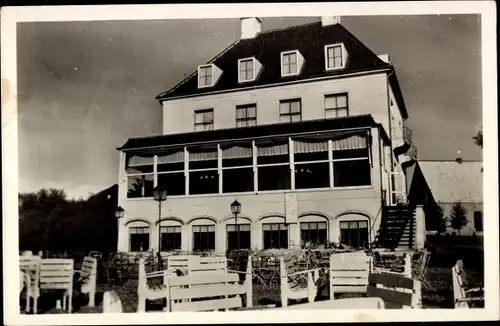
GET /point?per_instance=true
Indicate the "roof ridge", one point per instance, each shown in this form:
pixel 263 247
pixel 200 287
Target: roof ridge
pixel 288 27
pixel 194 72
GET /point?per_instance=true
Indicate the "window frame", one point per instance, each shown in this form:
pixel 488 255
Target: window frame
pixel 337 108
pixel 282 63
pixel 357 228
pixel 142 174
pixel 203 123
pixel 289 113
pixel 343 56
pixel 200 226
pixel 212 71
pixel 247 118
pixel 253 69
pixel 238 226
pixel 317 228
pixel 287 229
pixel 130 228
pixel 179 227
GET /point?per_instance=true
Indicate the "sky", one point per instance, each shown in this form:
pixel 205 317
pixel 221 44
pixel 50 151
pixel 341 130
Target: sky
pixel 84 88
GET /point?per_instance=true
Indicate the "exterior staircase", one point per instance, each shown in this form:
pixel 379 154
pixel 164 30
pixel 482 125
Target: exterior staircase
pixel 397 228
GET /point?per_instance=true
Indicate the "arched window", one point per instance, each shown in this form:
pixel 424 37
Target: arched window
pixel 274 232
pixel 313 229
pixel 138 236
pixel 203 234
pixel 171 235
pixel 238 234
pixel 354 230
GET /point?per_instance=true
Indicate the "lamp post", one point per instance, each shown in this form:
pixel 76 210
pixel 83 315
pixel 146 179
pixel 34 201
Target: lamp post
pixel 236 209
pixel 160 195
pixel 119 213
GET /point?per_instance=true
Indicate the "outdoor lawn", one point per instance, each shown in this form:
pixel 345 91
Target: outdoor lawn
pixel 437 291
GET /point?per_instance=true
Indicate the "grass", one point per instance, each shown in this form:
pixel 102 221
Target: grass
pixel 437 291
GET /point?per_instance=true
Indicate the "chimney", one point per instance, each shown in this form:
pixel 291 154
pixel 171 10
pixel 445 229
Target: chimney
pixel 330 20
pixel 385 58
pixel 250 27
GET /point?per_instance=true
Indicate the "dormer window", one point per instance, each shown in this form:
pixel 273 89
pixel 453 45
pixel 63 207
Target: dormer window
pixel 335 56
pixel 291 63
pixel 248 69
pixel 208 75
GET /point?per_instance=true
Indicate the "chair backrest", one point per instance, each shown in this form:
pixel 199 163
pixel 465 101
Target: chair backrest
pixel 206 288
pixel 179 261
pixel 349 272
pixel 207 264
pixel 56 273
pixel 395 290
pixel 31 266
pixel 89 269
pixel 459 280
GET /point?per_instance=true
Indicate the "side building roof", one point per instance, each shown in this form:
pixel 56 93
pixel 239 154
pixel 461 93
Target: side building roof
pixel 451 181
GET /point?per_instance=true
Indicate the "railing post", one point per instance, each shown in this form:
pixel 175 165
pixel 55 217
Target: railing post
pixel 420 227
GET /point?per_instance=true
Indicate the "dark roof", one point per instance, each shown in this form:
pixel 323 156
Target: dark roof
pixel 309 39
pixel 274 130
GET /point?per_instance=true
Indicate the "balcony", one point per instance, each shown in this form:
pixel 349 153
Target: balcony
pixel 412 152
pixel 402 134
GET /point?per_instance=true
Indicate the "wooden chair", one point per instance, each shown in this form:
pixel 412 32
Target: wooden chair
pixel 88 278
pixel 179 262
pixel 57 274
pixel 150 292
pixel 294 289
pixel 397 291
pixel 30 266
pixel 204 291
pixel 464 297
pixel 207 264
pixel 111 302
pixel 349 273
pixel 406 268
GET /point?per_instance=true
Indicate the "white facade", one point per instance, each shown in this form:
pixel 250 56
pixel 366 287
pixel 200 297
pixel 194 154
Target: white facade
pixel 368 93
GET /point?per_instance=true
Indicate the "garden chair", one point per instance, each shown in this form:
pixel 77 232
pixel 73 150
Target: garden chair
pixel 146 291
pixel 349 273
pixel 95 254
pixel 464 296
pixel 57 274
pixel 419 266
pixel 397 291
pixel 208 290
pixel 30 266
pixel 88 278
pixel 291 286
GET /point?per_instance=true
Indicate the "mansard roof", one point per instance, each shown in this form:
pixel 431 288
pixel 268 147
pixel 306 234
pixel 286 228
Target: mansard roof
pixel 266 47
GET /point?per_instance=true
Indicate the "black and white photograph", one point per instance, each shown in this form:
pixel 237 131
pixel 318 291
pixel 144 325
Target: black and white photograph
pixel 191 158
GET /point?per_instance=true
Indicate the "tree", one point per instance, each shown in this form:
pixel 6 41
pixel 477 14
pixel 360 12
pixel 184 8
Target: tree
pixel 458 217
pixel 434 218
pixel 478 138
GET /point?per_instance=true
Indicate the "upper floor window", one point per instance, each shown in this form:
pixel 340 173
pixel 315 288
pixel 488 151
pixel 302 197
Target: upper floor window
pixel 336 106
pixel 290 110
pixel 246 115
pixel 204 120
pixel 205 76
pixel 335 56
pixel 291 63
pixel 208 75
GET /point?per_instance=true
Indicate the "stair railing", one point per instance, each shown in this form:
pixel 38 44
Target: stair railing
pixel 375 219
